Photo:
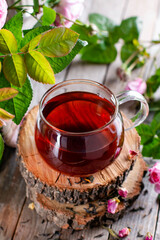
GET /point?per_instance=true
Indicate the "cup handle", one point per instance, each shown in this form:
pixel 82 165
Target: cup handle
pixel 142 114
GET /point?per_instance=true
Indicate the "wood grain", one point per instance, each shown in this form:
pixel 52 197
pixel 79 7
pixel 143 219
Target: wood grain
pixel 12 197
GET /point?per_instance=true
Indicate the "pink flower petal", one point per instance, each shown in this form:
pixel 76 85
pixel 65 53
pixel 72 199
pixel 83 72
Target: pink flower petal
pixel 71 9
pixel 137 85
pixel 123 192
pixel 3 12
pixel 112 205
pixel 124 232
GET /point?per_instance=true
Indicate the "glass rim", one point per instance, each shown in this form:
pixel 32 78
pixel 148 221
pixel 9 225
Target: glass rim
pixel 70 82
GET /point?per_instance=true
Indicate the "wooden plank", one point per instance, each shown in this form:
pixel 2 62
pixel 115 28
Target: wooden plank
pixel 33 227
pixel 96 72
pixel 157 232
pixel 142 216
pixel 146 10
pixel 148 15
pixel 12 197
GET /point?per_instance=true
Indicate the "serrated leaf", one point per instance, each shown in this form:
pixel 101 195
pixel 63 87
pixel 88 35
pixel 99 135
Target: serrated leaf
pixel 97 53
pixel 32 44
pixel 39 68
pixel 15 26
pixel 1 147
pixel 49 16
pixel 59 63
pixel 58 42
pixel 30 34
pixel 130 28
pixel 7 93
pixel 102 22
pixel 8 43
pixel 20 103
pixel 5 115
pixel 15 70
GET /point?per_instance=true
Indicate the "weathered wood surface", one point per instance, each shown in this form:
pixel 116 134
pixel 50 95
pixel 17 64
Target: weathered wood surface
pixel 17 221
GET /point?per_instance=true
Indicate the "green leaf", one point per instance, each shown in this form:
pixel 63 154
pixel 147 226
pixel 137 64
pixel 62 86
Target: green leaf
pixel 102 22
pixel 20 103
pixel 31 34
pixel 154 106
pixel 49 16
pixel 146 133
pixel 59 63
pixel 15 70
pixel 152 149
pixel 32 44
pixel 39 68
pixel 8 43
pixel 0 67
pixel 153 83
pixel 1 147
pixel 52 3
pixel 155 124
pixel 36 6
pixel 15 26
pixel 127 50
pixel 7 93
pixel 58 42
pixel 5 115
pixel 98 53
pixel 85 33
pixel 130 29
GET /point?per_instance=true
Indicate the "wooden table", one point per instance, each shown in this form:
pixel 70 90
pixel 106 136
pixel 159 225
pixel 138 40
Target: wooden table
pixel 17 221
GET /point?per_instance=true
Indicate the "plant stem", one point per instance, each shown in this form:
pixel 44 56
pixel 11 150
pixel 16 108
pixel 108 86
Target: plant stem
pixel 133 64
pixel 62 16
pixel 131 57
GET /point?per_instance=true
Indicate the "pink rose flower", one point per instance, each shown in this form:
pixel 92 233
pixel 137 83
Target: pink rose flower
pixel 71 9
pixel 137 85
pixel 112 205
pixel 149 236
pixel 123 192
pixel 124 232
pixel 154 174
pixel 3 12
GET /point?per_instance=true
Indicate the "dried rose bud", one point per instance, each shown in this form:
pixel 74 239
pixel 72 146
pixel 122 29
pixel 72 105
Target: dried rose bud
pixel 123 192
pixel 122 74
pixel 149 236
pixel 112 205
pixel 133 153
pixel 124 232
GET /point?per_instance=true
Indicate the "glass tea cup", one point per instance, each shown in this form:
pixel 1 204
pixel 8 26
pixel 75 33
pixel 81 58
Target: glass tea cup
pixel 80 129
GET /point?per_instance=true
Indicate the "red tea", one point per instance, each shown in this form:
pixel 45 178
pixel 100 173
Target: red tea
pixel 79 143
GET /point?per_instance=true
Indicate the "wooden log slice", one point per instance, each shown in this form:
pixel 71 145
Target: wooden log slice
pixel 37 173
pixel 67 215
